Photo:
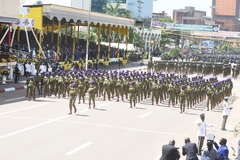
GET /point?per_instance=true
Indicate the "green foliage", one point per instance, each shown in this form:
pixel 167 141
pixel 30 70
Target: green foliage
pixel 172 54
pixel 165 39
pixel 226 47
pixel 145 55
pixel 115 10
pixel 134 37
pixel 166 20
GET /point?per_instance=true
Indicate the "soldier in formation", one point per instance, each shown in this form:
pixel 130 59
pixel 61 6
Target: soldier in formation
pixel 135 87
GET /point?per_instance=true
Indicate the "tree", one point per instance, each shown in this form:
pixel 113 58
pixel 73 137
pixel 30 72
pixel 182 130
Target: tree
pixel 134 37
pixel 165 39
pixel 115 10
pixel 166 20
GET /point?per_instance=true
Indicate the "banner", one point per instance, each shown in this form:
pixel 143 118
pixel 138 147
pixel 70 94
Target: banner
pixel 190 27
pixel 36 14
pixel 24 22
pixel 208 44
pixel 165 25
pixel 222 34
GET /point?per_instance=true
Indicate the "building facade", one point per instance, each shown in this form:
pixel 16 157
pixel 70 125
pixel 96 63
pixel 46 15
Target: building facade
pixel 227 14
pixel 157 16
pixel 188 15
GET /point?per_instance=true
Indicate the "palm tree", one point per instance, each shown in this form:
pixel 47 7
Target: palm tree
pixel 115 10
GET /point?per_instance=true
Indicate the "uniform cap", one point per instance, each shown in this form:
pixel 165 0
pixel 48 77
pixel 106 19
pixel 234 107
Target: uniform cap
pixel 202 115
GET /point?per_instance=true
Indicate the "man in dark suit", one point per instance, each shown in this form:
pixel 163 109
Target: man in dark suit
pixel 169 152
pixel 190 149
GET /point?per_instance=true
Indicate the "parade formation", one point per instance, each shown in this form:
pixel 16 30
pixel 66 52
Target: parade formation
pixel 135 86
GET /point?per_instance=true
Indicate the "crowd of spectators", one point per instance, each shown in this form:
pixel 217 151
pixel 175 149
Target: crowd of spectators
pixel 66 47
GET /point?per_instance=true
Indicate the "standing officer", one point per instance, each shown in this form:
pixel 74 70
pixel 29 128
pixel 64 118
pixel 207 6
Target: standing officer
pixel 202 132
pixel 16 74
pixel 225 112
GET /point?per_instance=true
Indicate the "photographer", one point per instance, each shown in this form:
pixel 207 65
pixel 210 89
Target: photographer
pixel 210 153
pixel 222 149
pixel 169 152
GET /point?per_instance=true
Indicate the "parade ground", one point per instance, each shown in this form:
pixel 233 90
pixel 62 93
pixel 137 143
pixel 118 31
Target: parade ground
pixel 43 130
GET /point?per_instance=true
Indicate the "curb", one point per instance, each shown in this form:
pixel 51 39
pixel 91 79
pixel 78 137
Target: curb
pixel 10 89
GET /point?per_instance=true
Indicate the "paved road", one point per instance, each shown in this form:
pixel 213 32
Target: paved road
pixel 43 130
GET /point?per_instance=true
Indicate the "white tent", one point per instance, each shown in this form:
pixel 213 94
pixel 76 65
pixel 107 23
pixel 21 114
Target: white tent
pixel 121 45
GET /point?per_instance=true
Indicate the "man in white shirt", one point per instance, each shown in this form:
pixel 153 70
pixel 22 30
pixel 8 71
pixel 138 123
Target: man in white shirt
pixel 202 132
pixel 43 68
pixel 28 69
pixel 225 112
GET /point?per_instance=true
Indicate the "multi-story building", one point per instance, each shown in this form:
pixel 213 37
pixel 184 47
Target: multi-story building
pixel 188 15
pixel 227 14
pixel 157 16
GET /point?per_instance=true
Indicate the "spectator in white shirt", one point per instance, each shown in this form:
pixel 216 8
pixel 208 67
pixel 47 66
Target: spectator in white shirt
pixel 43 68
pixel 202 132
pixel 28 69
pixel 225 112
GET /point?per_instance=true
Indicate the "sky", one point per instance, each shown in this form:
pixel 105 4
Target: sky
pixel 159 5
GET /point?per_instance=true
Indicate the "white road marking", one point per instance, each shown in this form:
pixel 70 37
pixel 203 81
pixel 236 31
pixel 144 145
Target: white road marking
pixel 37 125
pixel 41 124
pixel 145 115
pixel 79 148
pixel 24 108
pixel 14 99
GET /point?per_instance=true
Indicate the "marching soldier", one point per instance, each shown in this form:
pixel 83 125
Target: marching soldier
pixel 81 88
pixel 119 86
pixel 60 85
pixel 182 98
pixel 155 93
pixel 106 90
pixel 73 93
pixel 31 88
pixel 132 91
pixel 210 94
pixel 91 93
pixel 171 92
pixel 46 85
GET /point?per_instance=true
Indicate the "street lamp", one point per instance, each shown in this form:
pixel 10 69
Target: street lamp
pixel 150 38
pixel 88 33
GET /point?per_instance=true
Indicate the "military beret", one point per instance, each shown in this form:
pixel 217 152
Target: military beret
pixel 74 85
pixel 132 82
